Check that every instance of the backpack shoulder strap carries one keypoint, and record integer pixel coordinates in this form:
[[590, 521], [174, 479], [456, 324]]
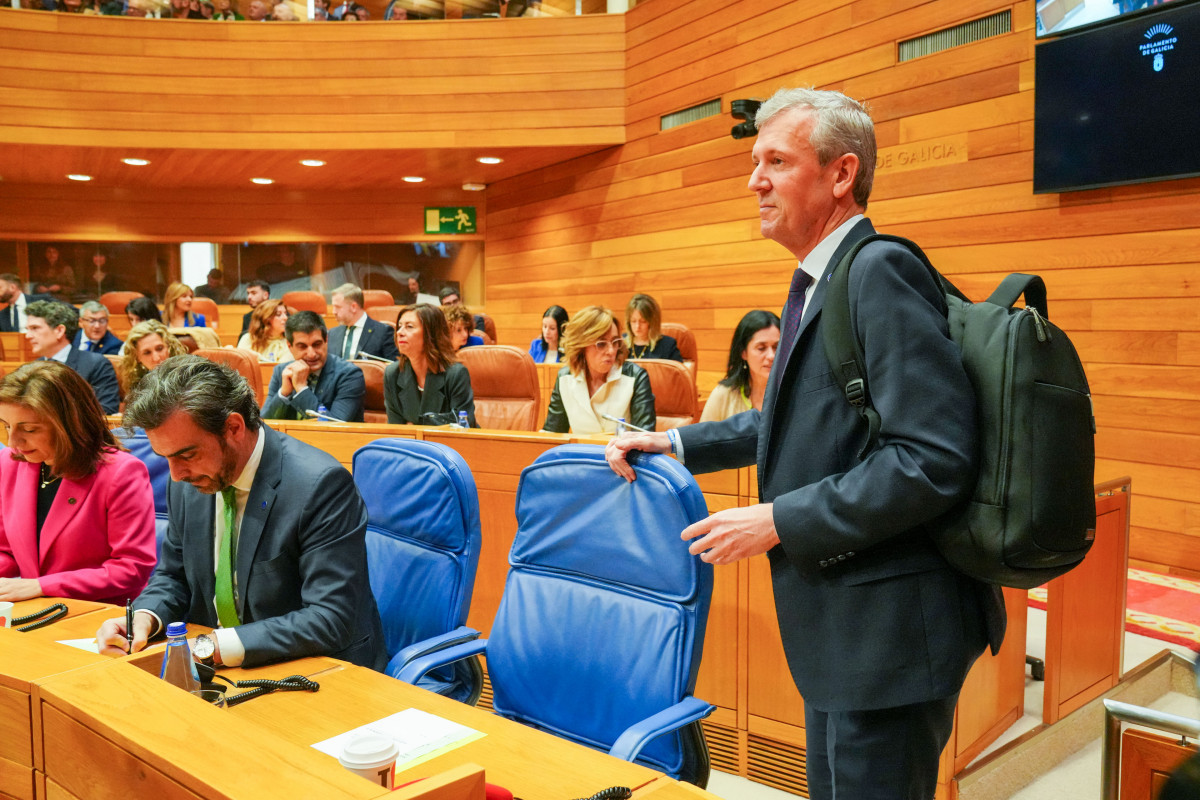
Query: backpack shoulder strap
[[841, 345]]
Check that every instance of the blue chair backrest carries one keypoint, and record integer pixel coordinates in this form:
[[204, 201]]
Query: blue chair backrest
[[604, 610], [423, 536], [160, 474]]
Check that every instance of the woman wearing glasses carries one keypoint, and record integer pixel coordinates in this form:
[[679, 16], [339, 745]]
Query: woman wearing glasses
[[427, 382], [598, 380]]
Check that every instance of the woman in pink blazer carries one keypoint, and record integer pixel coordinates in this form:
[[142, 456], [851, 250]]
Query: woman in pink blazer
[[76, 511]]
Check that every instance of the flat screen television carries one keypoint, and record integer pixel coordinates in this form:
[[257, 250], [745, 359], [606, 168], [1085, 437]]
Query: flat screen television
[[1059, 16], [1119, 103]]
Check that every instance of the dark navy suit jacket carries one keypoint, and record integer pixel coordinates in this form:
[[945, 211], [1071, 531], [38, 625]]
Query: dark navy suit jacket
[[378, 339], [341, 389], [8, 315], [301, 561], [98, 371], [109, 345], [870, 613]]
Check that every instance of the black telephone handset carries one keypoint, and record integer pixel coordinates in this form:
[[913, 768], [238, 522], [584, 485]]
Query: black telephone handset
[[43, 618], [612, 793]]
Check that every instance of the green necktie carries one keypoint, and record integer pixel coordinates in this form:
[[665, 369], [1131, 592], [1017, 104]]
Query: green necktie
[[226, 605], [346, 344]]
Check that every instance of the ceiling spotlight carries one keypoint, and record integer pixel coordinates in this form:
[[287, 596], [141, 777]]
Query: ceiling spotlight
[[80, 177], [413, 179], [135, 162], [474, 187], [489, 160], [312, 162], [261, 181]]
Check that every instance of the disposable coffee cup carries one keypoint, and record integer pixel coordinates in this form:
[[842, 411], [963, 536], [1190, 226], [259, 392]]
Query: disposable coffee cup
[[6, 614], [373, 757]]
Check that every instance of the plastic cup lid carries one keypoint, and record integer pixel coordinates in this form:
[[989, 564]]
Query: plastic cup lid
[[369, 750]]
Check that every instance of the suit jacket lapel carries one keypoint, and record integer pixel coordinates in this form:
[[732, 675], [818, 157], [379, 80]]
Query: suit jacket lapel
[[199, 543], [70, 498], [263, 492], [433, 398], [410, 395]]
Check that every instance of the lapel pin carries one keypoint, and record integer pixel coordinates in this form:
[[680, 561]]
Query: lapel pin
[[70, 501], [264, 504]]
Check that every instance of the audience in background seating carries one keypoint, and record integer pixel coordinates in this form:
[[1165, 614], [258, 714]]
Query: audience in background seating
[[266, 336], [214, 288], [751, 354], [177, 305], [226, 10], [256, 292], [94, 334], [258, 10], [357, 332], [148, 345], [547, 349], [598, 380], [427, 383], [78, 512], [55, 277], [643, 326], [13, 318], [282, 12], [50, 328], [140, 309], [460, 322]]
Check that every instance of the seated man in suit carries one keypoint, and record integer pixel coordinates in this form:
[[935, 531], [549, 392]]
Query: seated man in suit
[[316, 378], [256, 292], [358, 333], [13, 318], [94, 335], [266, 534], [50, 327]]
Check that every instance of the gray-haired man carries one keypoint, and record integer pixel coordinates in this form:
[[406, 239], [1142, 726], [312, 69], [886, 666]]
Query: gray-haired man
[[94, 335]]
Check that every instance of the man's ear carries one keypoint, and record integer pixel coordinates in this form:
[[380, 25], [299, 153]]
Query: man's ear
[[235, 425], [845, 171]]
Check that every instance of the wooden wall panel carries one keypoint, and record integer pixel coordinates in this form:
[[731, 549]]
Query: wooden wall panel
[[668, 213]]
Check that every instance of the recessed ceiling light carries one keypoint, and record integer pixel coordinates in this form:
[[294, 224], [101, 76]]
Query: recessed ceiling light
[[261, 181], [489, 160], [313, 162], [413, 179], [474, 187], [135, 162], [80, 177]]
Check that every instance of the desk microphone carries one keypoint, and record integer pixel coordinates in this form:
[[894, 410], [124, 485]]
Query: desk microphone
[[611, 418], [320, 416], [371, 357]]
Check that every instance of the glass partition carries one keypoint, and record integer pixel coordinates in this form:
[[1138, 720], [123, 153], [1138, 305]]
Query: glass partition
[[323, 10]]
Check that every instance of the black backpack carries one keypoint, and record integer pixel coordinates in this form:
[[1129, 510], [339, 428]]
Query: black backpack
[[1032, 515]]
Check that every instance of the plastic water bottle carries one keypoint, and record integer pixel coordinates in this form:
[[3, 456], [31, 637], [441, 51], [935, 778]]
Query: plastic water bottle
[[178, 668], [323, 411], [463, 422], [620, 427]]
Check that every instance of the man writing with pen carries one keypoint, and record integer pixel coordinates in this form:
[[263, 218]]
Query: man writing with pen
[[265, 540], [315, 378]]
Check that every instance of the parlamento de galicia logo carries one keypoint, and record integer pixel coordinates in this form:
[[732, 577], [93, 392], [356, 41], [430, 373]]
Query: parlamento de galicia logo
[[1157, 46]]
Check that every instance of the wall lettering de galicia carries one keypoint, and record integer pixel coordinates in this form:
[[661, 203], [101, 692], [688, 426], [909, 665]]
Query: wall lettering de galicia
[[919, 155]]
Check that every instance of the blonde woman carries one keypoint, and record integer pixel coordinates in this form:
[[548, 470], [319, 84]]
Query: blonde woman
[[597, 379], [177, 308], [148, 344], [643, 326], [267, 323]]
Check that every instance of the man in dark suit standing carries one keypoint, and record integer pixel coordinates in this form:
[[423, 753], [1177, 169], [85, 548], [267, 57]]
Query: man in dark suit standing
[[315, 378], [94, 335], [266, 534], [50, 327], [358, 333], [878, 629], [12, 319]]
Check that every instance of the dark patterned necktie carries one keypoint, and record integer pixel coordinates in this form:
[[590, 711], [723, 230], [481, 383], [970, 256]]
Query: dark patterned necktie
[[793, 310]]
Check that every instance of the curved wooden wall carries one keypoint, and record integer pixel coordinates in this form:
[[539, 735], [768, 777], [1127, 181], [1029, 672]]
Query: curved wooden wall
[[669, 214]]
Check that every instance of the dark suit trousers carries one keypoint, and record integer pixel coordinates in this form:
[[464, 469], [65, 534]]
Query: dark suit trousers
[[885, 754]]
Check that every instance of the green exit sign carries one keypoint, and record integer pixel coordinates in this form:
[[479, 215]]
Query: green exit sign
[[460, 219]]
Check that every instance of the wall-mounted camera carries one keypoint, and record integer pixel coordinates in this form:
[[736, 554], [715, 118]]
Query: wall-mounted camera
[[744, 110]]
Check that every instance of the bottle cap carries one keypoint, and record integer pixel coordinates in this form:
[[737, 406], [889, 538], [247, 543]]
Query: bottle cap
[[177, 629]]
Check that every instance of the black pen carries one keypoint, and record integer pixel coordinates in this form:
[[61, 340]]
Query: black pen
[[129, 624]]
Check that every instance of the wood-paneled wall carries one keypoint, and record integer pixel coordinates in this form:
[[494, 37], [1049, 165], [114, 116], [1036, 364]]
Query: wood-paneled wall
[[669, 213]]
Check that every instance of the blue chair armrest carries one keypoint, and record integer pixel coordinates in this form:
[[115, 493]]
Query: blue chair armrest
[[431, 645], [413, 670], [636, 736]]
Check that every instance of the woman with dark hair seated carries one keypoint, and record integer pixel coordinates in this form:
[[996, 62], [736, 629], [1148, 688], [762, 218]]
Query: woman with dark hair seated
[[140, 309], [751, 354], [148, 344], [427, 379], [78, 513], [643, 326], [547, 349], [597, 380]]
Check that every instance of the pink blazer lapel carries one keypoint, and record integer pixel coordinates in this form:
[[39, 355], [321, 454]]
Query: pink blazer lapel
[[67, 503]]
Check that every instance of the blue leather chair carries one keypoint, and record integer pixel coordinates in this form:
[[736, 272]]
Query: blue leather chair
[[423, 542], [160, 475], [600, 631]]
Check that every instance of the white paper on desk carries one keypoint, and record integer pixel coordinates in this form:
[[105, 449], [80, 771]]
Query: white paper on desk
[[83, 644], [417, 733]]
